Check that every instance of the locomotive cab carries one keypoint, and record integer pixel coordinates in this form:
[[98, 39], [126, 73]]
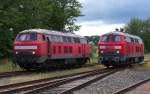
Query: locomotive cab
[[29, 49]]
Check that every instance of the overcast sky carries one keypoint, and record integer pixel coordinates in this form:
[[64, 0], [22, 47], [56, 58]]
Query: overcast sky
[[102, 16]]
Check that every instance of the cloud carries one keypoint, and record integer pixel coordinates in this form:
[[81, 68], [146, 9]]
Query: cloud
[[91, 23], [102, 16], [114, 11], [94, 28]]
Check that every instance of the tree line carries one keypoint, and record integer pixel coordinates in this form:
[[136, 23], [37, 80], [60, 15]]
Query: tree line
[[140, 28]]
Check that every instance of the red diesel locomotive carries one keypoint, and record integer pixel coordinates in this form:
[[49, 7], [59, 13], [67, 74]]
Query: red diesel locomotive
[[38, 48], [119, 48]]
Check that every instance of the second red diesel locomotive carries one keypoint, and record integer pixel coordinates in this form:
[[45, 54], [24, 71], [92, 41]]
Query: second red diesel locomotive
[[38, 48], [119, 48]]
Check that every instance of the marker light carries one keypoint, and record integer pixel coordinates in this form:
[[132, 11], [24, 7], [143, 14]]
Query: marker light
[[16, 52], [33, 52], [118, 52], [102, 51]]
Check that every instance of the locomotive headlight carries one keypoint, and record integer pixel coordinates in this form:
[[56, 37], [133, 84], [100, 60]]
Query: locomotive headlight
[[33, 52], [16, 52], [117, 47], [118, 52], [102, 47], [102, 51]]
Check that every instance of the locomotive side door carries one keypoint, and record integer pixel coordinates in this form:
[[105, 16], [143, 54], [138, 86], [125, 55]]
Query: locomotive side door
[[47, 38], [83, 46], [83, 50], [48, 46]]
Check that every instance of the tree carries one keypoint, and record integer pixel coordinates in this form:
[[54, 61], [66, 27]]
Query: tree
[[49, 14], [134, 26], [64, 15], [18, 15], [6, 40], [140, 28]]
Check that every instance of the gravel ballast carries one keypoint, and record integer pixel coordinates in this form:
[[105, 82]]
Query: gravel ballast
[[115, 81]]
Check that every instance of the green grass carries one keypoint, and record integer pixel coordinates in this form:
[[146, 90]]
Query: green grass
[[146, 65], [147, 58], [7, 66], [94, 58]]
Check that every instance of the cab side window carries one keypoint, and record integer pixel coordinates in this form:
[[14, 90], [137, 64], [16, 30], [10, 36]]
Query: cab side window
[[21, 37], [76, 40], [32, 36], [65, 39], [116, 38], [105, 38], [127, 39]]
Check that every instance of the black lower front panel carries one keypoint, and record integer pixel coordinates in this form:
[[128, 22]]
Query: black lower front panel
[[112, 59], [28, 60]]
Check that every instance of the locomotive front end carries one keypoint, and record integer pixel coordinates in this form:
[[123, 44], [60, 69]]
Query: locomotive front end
[[27, 50], [111, 50]]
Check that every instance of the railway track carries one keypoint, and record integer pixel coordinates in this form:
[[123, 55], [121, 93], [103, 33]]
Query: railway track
[[70, 87], [53, 84], [132, 87], [15, 73]]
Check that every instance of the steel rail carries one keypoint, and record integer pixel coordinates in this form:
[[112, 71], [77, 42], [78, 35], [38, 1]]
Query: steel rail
[[38, 83], [55, 85], [131, 87]]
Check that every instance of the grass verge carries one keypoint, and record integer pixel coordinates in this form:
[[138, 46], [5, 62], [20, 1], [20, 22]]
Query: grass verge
[[7, 66]]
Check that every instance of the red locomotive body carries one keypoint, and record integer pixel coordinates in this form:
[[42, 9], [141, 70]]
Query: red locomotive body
[[118, 48], [38, 48]]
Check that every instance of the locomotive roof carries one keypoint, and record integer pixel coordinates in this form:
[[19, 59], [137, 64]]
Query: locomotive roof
[[124, 34], [52, 32]]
